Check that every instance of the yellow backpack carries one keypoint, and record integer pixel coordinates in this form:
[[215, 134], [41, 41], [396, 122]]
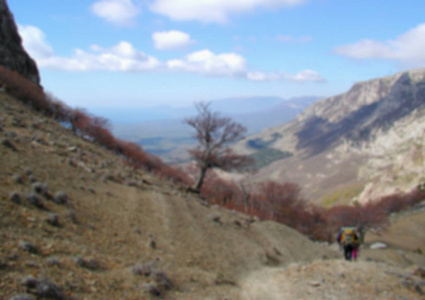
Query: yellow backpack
[[349, 236]]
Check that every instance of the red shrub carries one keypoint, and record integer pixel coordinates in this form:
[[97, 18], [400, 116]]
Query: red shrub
[[23, 89], [222, 192]]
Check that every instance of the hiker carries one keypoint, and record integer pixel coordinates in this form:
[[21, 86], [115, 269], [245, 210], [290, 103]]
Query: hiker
[[349, 240]]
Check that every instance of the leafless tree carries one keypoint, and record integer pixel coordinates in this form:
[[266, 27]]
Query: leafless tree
[[214, 134]]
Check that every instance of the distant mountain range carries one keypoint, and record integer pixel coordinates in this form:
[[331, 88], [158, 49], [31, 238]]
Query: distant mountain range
[[169, 138], [355, 146]]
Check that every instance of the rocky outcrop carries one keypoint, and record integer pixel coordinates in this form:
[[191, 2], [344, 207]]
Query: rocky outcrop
[[367, 108], [12, 54], [360, 145]]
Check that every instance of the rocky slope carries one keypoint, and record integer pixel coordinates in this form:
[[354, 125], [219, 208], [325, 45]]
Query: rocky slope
[[116, 223], [77, 223], [12, 54], [359, 145]]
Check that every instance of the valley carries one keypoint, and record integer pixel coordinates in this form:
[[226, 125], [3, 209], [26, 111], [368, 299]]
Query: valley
[[85, 214]]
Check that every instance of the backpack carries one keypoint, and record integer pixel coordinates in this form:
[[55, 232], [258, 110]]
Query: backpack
[[349, 236]]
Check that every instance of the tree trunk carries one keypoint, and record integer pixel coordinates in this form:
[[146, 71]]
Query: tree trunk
[[200, 180]]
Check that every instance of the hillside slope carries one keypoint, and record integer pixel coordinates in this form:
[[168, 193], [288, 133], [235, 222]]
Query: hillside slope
[[113, 215], [359, 145], [116, 224]]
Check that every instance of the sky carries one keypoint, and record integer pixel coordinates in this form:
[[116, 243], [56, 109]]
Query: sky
[[140, 53]]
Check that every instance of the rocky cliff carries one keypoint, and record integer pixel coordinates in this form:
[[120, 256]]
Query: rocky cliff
[[12, 54], [359, 145]]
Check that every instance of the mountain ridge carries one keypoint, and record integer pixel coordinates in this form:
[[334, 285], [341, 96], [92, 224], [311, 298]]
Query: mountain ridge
[[333, 140]]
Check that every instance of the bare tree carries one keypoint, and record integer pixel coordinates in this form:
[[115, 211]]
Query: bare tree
[[214, 134]]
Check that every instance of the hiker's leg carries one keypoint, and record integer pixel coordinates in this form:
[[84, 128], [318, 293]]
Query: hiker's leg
[[347, 253], [355, 252]]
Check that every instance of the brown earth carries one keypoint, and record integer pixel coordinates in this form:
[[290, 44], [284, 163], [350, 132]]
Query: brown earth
[[118, 220]]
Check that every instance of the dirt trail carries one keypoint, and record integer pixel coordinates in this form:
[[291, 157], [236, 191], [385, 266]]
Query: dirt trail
[[332, 279]]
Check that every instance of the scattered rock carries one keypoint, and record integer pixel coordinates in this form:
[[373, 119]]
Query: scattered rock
[[17, 178], [28, 246], [41, 188], [418, 289], [90, 264], [314, 283], [34, 200], [152, 289], [216, 218], [72, 215], [162, 280], [29, 282], [15, 197], [53, 219], [23, 297], [7, 143], [2, 265], [151, 241], [32, 264], [376, 246], [32, 178], [418, 271], [49, 290], [53, 261], [143, 269]]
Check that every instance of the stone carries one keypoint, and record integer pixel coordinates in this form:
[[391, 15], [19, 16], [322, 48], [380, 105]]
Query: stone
[[12, 54], [378, 245]]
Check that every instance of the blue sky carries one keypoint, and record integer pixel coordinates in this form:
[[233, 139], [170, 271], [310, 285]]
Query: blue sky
[[137, 53]]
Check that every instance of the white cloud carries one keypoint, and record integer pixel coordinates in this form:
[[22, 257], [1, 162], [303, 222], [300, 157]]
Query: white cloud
[[306, 75], [34, 40], [120, 12], [291, 39], [124, 57], [172, 39], [207, 63], [213, 10], [303, 76], [408, 48]]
